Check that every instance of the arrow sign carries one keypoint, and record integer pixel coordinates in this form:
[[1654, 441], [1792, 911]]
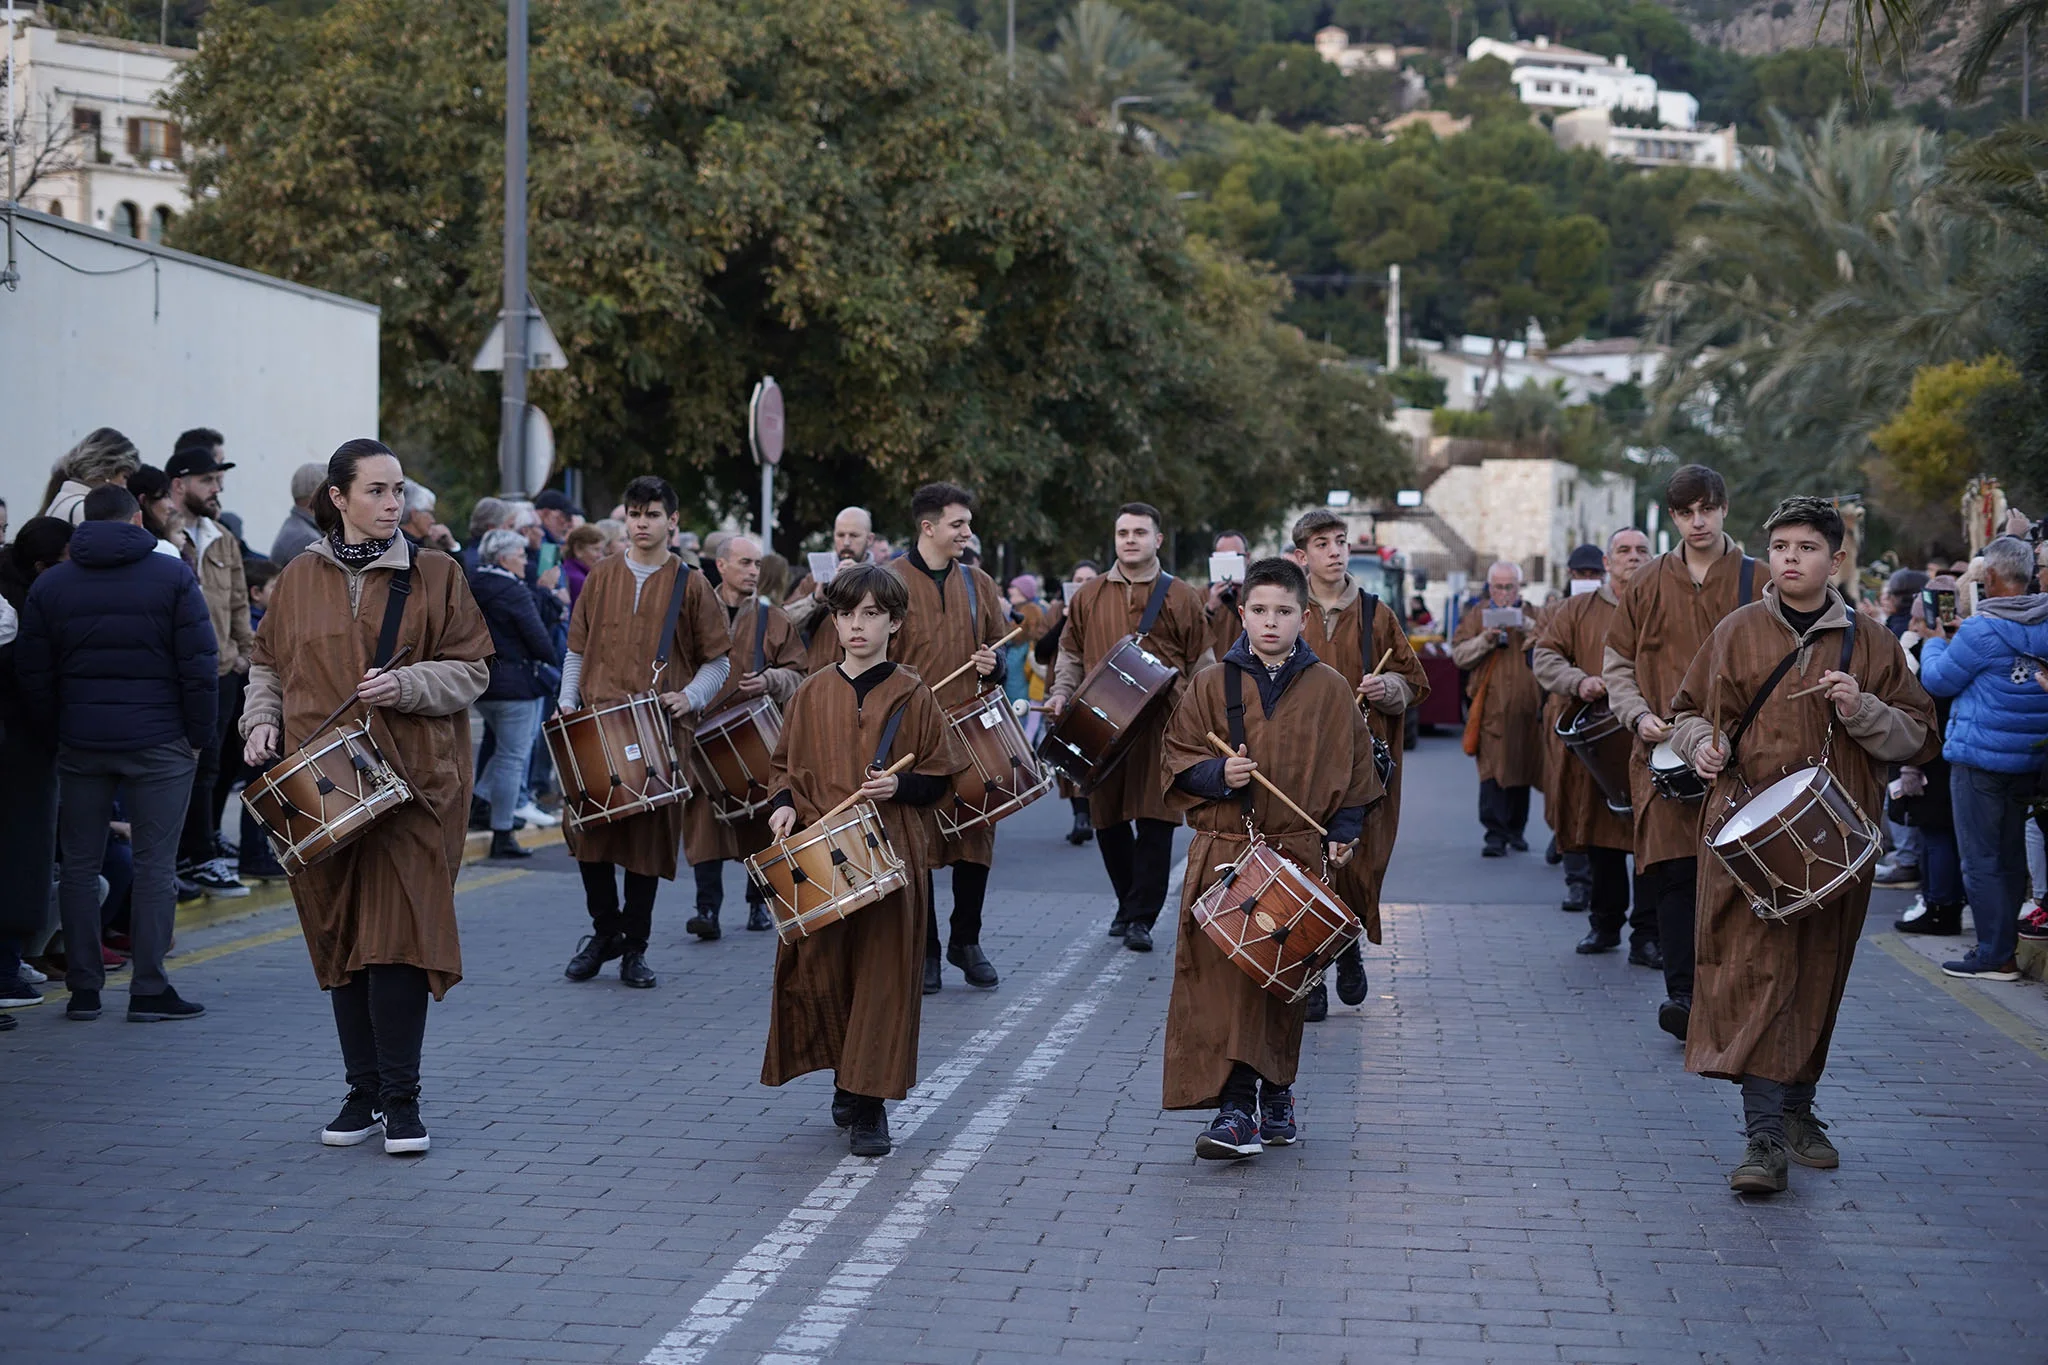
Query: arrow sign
[[543, 349]]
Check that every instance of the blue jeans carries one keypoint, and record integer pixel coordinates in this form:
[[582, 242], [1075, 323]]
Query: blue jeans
[[1991, 813], [1941, 867], [513, 726]]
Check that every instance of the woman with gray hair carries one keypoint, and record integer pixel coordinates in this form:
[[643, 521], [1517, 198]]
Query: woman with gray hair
[[104, 457], [524, 671]]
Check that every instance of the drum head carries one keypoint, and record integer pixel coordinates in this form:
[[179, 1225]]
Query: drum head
[[1771, 801], [1665, 758]]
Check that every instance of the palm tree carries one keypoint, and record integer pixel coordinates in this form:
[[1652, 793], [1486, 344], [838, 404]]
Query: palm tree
[[1105, 63]]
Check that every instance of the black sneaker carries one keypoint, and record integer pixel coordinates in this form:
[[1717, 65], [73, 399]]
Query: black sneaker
[[1674, 1016], [758, 917], [1138, 937], [1315, 1006], [357, 1122], [591, 954], [1233, 1136], [156, 1009], [8, 1022], [1117, 926], [188, 890], [217, 879], [1494, 849], [869, 1133], [19, 995], [404, 1134], [84, 1005], [1519, 844], [1944, 921], [973, 964], [505, 846], [704, 924], [1276, 1116], [845, 1107], [634, 971], [1351, 976], [1597, 942]]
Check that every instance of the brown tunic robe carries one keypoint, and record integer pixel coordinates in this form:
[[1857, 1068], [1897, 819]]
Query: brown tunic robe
[[706, 838], [1570, 648], [390, 896], [1766, 992], [1511, 712], [847, 998], [618, 642], [1224, 625], [1316, 748], [1333, 633], [1660, 621], [1105, 610]]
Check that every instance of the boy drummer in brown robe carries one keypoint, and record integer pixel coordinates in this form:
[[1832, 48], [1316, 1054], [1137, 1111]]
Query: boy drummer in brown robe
[[620, 625], [1767, 991], [1132, 818], [766, 660], [1570, 649], [1508, 709], [1335, 628], [379, 915], [1230, 1043], [1661, 619], [847, 997]]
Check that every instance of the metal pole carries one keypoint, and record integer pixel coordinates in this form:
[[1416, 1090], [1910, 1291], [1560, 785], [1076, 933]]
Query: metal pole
[[1393, 318], [767, 508], [1009, 47], [9, 276], [2026, 70], [512, 407]]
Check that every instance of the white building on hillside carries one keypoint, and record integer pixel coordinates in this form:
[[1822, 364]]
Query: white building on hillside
[[1533, 511], [96, 145], [1334, 46], [1469, 373], [1707, 149], [1549, 75]]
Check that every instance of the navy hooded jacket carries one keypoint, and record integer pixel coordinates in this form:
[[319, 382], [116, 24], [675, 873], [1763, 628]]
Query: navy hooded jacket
[[116, 649]]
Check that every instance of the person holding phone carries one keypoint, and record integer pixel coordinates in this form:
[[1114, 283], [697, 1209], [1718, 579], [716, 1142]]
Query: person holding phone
[[1227, 555], [1507, 704]]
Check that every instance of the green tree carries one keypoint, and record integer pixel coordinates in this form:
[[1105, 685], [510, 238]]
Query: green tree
[[1928, 450], [1105, 68]]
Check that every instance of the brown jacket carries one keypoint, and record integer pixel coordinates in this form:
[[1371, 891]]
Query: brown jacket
[[1333, 633], [1766, 992], [847, 998], [1570, 648], [1511, 711], [1660, 621], [390, 896], [1103, 612], [226, 589], [1316, 748], [706, 838], [618, 641]]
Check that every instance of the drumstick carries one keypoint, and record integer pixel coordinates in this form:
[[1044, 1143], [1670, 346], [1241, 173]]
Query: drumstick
[[1808, 691], [970, 663], [898, 766], [357, 695], [1222, 747], [1383, 662]]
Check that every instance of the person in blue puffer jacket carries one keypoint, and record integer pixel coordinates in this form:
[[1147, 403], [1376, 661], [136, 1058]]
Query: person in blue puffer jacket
[[1996, 740]]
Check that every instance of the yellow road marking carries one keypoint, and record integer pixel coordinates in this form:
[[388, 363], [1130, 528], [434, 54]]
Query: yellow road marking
[[2013, 1025]]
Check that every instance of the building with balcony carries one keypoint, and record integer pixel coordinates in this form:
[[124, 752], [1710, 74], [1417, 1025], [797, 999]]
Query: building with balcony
[[1550, 75], [1706, 149]]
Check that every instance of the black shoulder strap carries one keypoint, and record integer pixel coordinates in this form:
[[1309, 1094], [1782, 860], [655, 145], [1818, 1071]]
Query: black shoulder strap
[[1155, 602], [1746, 593], [1756, 703], [394, 610], [1848, 636], [1368, 617], [675, 612], [889, 729], [760, 636], [967, 586], [1233, 716]]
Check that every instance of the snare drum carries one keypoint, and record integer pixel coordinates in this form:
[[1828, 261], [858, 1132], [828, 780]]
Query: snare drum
[[326, 796], [824, 872], [733, 750], [1673, 777], [616, 760], [1120, 694], [1004, 777], [1601, 742], [1795, 843], [1275, 921]]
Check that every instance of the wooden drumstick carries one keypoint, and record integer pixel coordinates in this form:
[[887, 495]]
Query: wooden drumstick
[[970, 663], [357, 695], [898, 766], [1223, 747], [1383, 662]]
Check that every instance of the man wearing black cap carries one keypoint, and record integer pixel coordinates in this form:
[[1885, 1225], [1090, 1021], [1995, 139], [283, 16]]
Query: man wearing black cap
[[557, 514], [196, 469]]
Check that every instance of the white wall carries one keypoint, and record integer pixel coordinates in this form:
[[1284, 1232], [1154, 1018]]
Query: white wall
[[286, 373]]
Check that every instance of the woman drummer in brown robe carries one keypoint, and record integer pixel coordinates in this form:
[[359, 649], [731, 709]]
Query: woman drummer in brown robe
[[1230, 1043], [847, 998], [378, 916], [1766, 992]]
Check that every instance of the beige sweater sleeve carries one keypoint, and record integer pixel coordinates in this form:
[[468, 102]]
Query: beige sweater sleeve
[[1469, 653], [1624, 698], [1398, 698], [1884, 731], [441, 687], [263, 701], [1555, 673]]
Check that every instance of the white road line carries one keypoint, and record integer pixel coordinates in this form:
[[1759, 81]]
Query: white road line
[[754, 1274], [818, 1328]]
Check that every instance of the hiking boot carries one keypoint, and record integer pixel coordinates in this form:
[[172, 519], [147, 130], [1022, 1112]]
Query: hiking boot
[[845, 1107], [358, 1120], [869, 1135], [1351, 976], [704, 924], [1598, 942], [1943, 920], [1138, 937], [634, 971], [1763, 1168], [1315, 1006], [404, 1134], [973, 964], [503, 845], [1806, 1139], [1276, 1116], [156, 1009], [1674, 1016], [1232, 1136], [934, 982], [592, 954]]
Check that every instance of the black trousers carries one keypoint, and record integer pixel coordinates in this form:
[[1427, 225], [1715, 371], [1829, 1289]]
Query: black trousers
[[1610, 905], [970, 890], [635, 923], [381, 1018], [711, 886], [1672, 887], [1578, 877], [202, 814], [1138, 855], [1503, 810]]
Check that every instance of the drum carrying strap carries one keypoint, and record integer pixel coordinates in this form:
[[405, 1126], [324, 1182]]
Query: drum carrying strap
[[1756, 703], [394, 611], [1368, 616], [760, 636], [889, 729], [1155, 602], [675, 614], [1233, 716], [1746, 590]]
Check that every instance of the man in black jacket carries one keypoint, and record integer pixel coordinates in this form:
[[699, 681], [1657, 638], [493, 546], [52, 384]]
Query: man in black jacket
[[117, 660]]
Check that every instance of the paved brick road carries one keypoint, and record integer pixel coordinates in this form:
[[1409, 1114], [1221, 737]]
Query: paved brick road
[[1502, 1161]]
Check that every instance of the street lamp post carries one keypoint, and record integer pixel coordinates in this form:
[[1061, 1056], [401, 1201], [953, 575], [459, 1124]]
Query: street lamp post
[[1120, 101], [512, 406]]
